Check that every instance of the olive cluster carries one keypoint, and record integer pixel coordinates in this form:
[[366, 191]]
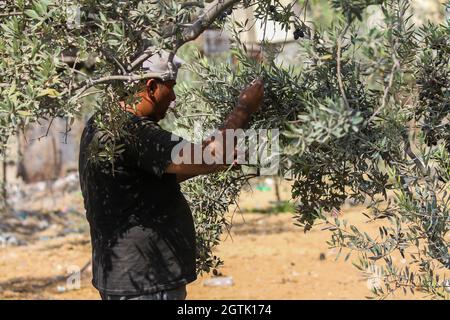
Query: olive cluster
[[298, 33], [224, 14]]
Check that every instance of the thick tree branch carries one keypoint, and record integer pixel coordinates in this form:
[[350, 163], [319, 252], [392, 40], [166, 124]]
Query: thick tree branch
[[191, 32], [205, 20]]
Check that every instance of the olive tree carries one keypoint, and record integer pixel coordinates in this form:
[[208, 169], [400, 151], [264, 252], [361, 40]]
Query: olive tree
[[364, 114]]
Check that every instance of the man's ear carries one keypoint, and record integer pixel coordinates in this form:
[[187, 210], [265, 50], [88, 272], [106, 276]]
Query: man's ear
[[152, 85]]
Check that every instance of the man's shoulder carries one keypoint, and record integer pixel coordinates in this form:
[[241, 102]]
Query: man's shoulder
[[144, 127], [143, 122]]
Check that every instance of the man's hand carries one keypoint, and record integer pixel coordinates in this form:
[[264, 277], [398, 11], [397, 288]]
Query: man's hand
[[252, 96]]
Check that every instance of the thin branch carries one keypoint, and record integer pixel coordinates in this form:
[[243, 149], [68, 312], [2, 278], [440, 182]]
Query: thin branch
[[89, 93], [338, 60], [68, 129], [80, 73], [81, 88], [5, 181], [407, 148], [305, 7], [387, 89], [73, 71], [261, 51], [200, 115], [109, 55], [10, 14], [46, 133]]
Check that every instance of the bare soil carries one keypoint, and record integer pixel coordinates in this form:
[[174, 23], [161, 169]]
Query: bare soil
[[265, 254]]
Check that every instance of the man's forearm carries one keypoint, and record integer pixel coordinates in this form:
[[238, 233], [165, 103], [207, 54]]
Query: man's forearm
[[217, 147], [238, 118]]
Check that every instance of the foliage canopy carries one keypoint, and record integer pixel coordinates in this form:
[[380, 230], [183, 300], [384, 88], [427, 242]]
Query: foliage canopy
[[364, 115]]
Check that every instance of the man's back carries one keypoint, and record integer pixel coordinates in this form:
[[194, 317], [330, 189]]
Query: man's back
[[141, 226]]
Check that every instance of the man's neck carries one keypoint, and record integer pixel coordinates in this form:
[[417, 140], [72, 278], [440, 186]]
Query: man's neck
[[132, 109], [135, 110]]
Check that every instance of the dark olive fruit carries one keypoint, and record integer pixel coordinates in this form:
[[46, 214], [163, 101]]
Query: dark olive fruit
[[298, 34], [431, 138], [229, 11], [222, 16], [272, 8]]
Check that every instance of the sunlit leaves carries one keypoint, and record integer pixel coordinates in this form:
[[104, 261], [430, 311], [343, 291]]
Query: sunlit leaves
[[367, 151]]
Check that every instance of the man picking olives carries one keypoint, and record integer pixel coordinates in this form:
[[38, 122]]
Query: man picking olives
[[142, 229]]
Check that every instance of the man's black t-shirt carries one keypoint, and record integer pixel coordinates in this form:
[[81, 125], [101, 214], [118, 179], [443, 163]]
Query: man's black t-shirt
[[142, 230]]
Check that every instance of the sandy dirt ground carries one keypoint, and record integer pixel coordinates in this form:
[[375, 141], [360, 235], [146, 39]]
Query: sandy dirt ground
[[266, 256]]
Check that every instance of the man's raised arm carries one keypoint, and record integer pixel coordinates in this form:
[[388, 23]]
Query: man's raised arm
[[249, 102]]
